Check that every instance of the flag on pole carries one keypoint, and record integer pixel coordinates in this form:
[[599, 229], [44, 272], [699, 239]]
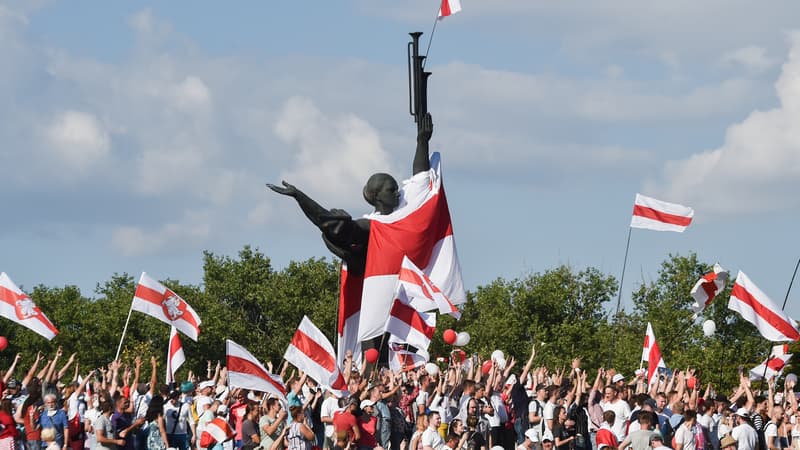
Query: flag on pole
[[708, 287], [755, 307], [652, 354], [773, 366], [652, 214], [421, 292], [420, 229], [216, 431], [401, 359], [312, 352], [408, 325], [156, 300], [244, 371], [350, 287], [175, 356], [449, 7], [18, 307]]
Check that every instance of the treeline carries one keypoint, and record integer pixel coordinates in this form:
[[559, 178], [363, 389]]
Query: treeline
[[246, 299]]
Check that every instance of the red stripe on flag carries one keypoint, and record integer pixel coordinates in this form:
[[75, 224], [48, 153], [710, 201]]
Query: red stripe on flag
[[11, 297], [764, 313], [775, 364], [445, 9], [313, 350], [710, 289], [152, 296], [174, 345], [410, 316], [412, 277], [349, 297], [242, 365], [650, 213], [149, 295]]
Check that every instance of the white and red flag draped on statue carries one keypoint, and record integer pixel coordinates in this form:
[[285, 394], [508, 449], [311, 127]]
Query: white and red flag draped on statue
[[18, 307], [652, 354], [449, 7], [408, 325], [216, 431], [156, 300], [175, 356], [774, 364], [652, 214], [402, 359], [708, 287], [420, 228], [755, 307], [244, 371], [421, 292], [311, 352]]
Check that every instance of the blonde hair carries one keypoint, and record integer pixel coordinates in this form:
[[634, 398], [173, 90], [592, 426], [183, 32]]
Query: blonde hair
[[49, 434]]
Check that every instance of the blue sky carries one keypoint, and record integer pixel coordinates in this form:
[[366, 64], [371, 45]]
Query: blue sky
[[136, 136]]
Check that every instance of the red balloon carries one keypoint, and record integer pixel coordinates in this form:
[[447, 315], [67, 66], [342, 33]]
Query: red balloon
[[486, 367], [449, 336], [371, 355], [3, 343]]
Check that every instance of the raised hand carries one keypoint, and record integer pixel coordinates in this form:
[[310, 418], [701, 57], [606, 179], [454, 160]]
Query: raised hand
[[287, 189], [425, 129]]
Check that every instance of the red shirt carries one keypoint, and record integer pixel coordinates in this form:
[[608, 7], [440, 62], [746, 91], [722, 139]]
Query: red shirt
[[9, 426], [345, 421], [367, 425], [606, 438], [237, 415], [32, 431]]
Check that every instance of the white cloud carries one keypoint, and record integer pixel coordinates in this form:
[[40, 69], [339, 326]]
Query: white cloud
[[193, 229], [78, 139], [757, 166], [752, 57]]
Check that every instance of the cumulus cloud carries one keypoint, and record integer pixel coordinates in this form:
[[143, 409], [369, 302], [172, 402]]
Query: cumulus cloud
[[752, 57], [77, 139], [758, 165], [136, 241]]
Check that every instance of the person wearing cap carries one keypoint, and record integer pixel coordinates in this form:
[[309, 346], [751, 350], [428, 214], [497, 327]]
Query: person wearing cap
[[367, 425], [345, 419], [547, 441], [536, 409], [657, 442], [744, 433], [531, 439]]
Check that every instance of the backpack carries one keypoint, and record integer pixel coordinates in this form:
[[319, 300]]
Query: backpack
[[668, 432]]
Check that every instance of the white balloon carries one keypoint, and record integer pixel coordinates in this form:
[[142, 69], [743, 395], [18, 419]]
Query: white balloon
[[462, 339], [709, 328], [501, 364], [497, 355], [432, 369]]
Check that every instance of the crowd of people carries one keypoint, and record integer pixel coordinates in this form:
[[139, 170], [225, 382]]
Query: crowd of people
[[464, 406]]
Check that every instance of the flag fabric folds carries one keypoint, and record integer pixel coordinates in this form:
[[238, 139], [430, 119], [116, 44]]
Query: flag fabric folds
[[244, 371], [18, 307], [421, 229], [156, 300], [708, 287], [652, 214], [773, 366], [311, 352], [350, 286], [755, 307], [408, 325], [421, 292], [449, 7], [402, 359], [217, 431], [652, 354], [175, 356]]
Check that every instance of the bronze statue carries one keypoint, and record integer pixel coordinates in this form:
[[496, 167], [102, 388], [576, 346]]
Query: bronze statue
[[346, 237]]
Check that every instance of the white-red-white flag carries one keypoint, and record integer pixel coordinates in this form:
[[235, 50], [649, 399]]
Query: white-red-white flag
[[652, 354], [156, 300], [449, 7], [774, 364], [216, 431], [175, 356], [708, 287], [755, 307], [421, 229], [244, 371], [312, 352], [652, 214], [350, 287], [421, 292], [408, 325], [18, 307], [401, 359]]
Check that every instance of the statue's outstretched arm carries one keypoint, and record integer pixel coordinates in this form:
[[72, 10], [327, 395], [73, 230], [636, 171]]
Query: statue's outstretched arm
[[313, 210], [422, 160]]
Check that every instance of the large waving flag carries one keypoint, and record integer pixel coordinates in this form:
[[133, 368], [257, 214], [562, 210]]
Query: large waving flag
[[652, 214], [311, 352], [755, 307], [421, 292], [773, 366], [652, 354], [244, 371], [449, 7], [16, 306], [402, 359], [156, 300], [419, 228], [217, 431], [175, 356], [350, 287], [708, 287], [408, 325]]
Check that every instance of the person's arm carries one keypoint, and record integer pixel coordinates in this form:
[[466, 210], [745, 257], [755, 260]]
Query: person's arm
[[65, 431], [422, 160], [626, 443], [271, 428], [66, 367], [10, 371], [307, 432], [559, 442], [51, 369], [32, 370], [137, 368], [134, 425], [279, 443], [101, 437], [162, 428], [153, 375], [525, 370]]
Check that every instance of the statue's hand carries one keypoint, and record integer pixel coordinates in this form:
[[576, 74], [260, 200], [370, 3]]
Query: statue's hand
[[287, 189], [425, 129]]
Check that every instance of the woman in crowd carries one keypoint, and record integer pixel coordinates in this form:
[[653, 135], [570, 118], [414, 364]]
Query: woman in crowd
[[299, 436], [156, 429]]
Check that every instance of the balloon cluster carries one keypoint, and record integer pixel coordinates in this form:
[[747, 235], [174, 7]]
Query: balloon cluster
[[497, 357], [458, 339]]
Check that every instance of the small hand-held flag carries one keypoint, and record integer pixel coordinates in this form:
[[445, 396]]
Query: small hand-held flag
[[652, 354], [449, 7]]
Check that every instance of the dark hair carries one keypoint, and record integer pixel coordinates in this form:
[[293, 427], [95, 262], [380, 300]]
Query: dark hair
[[155, 408], [296, 412], [609, 416], [373, 185]]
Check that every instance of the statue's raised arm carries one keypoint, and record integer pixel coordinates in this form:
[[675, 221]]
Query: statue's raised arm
[[422, 159]]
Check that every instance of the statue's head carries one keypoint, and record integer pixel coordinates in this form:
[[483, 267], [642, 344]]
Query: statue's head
[[381, 191]]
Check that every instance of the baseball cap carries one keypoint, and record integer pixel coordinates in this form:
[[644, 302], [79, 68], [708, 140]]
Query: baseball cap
[[548, 436], [743, 412], [617, 377], [532, 435], [12, 384], [366, 402], [206, 384], [187, 386]]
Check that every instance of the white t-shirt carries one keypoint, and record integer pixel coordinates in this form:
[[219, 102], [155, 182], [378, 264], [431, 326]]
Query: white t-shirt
[[685, 436], [499, 407], [622, 413], [547, 414], [91, 415], [140, 403], [746, 436], [431, 438], [771, 433], [328, 408], [422, 400]]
